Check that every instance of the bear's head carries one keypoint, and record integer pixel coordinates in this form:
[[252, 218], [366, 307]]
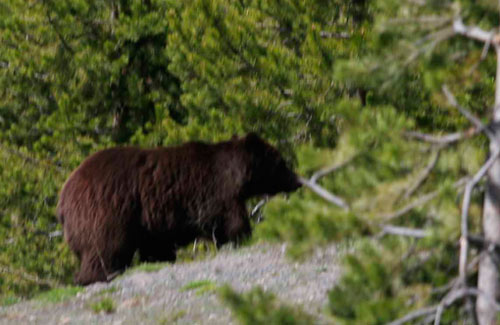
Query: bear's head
[[269, 173]]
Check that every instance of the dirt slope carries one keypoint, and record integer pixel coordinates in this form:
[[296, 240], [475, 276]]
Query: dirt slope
[[164, 297]]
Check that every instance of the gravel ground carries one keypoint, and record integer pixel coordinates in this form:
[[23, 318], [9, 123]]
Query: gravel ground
[[160, 297]]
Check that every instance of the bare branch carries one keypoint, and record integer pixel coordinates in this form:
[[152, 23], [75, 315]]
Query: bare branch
[[324, 193], [473, 32], [481, 242], [325, 171], [443, 139], [342, 35], [416, 314], [257, 207], [423, 175], [465, 211], [403, 231], [436, 38], [420, 201]]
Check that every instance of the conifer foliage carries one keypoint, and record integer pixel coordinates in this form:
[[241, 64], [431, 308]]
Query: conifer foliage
[[370, 100]]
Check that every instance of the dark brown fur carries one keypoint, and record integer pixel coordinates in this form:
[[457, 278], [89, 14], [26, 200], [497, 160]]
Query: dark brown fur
[[125, 199]]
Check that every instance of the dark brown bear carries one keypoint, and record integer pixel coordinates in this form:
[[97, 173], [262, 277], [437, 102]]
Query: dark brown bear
[[121, 200]]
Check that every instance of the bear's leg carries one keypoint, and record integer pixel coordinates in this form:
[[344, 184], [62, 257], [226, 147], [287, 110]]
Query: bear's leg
[[103, 266], [91, 270], [235, 227], [156, 250]]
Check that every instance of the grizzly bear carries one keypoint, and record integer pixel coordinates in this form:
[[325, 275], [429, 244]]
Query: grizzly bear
[[125, 199]]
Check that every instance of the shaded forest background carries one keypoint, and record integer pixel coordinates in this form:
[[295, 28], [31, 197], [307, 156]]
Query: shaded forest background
[[350, 86]]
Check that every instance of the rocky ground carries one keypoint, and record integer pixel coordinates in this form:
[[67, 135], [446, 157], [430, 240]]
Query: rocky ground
[[183, 293]]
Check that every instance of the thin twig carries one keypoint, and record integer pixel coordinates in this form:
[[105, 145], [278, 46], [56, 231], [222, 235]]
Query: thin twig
[[473, 32], [403, 231], [416, 314], [465, 212], [256, 209], [442, 139], [32, 160], [420, 201], [474, 120], [423, 176], [341, 35], [325, 171]]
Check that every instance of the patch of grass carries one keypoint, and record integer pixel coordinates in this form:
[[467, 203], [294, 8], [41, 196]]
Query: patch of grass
[[170, 319], [58, 294], [201, 287], [9, 300], [106, 305], [109, 290], [199, 250], [149, 267]]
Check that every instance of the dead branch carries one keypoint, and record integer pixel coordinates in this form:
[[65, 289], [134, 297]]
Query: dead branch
[[447, 301], [482, 243], [325, 171], [403, 231], [473, 32], [423, 175], [324, 193], [413, 315], [436, 38], [465, 212], [341, 35], [256, 209], [443, 139], [419, 201]]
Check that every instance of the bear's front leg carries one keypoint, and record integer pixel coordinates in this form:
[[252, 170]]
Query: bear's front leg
[[235, 225]]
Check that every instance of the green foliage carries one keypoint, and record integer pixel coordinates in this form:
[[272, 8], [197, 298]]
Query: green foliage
[[9, 300], [105, 305], [327, 82], [58, 294], [199, 250], [147, 267], [259, 307], [171, 319], [201, 287]]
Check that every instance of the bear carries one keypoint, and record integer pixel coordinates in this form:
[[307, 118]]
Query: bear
[[126, 199]]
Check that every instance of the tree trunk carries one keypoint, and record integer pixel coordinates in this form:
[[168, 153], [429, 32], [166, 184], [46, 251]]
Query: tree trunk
[[488, 272]]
